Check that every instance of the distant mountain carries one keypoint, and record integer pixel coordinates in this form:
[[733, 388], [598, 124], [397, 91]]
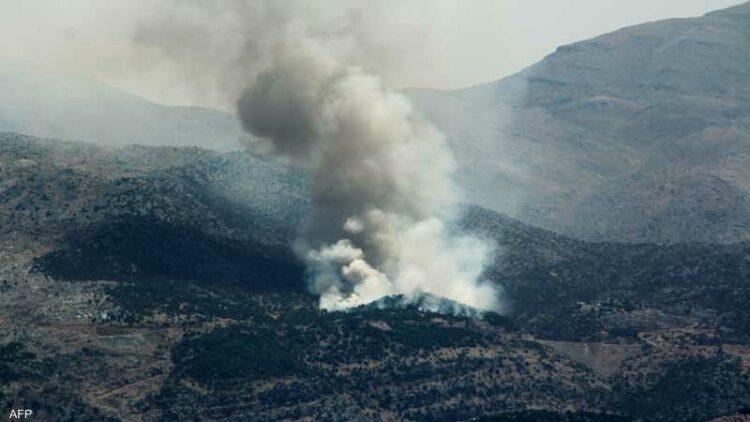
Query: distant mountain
[[642, 134], [46, 104]]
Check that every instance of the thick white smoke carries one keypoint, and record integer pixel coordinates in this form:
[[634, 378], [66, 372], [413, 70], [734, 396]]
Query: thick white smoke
[[382, 185]]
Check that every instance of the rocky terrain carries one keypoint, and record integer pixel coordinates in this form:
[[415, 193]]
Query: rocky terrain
[[159, 284]]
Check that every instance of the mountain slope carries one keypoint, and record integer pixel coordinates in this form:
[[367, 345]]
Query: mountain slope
[[634, 135]]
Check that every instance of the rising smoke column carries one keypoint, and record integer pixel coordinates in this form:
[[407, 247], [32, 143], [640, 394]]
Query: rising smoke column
[[382, 189]]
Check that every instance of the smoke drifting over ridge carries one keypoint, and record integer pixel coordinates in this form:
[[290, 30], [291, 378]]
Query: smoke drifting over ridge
[[382, 189]]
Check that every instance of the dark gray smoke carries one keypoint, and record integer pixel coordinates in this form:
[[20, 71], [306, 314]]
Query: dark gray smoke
[[382, 177]]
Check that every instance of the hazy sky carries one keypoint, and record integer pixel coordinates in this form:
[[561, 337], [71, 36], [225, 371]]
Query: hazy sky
[[455, 43]]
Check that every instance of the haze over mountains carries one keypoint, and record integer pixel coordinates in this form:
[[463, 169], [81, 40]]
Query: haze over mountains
[[639, 135], [43, 103]]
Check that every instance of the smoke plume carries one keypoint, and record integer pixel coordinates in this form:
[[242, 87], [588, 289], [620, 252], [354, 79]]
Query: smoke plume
[[382, 189]]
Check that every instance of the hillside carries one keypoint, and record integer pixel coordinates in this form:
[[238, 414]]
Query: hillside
[[159, 284], [642, 134]]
